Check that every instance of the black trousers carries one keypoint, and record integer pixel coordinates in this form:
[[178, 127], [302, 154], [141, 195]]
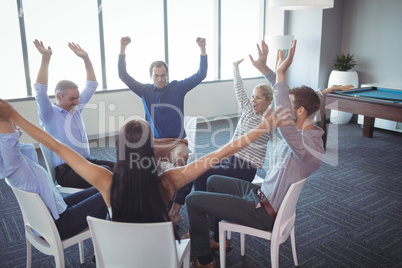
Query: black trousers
[[67, 177]]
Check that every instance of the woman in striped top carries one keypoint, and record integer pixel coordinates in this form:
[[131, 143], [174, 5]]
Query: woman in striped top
[[243, 165]]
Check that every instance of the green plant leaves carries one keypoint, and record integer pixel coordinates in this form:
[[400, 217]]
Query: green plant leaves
[[344, 62]]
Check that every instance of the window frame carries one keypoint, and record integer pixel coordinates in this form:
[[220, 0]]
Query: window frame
[[216, 45]]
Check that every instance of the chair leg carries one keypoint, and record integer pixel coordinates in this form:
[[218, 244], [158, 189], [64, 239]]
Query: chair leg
[[242, 244], [274, 255], [29, 254], [81, 250], [186, 261], [58, 255], [222, 247], [59, 260], [293, 242]]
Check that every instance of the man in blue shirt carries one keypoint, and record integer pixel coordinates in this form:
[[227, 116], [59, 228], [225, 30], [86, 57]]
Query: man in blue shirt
[[19, 164], [63, 119], [164, 110]]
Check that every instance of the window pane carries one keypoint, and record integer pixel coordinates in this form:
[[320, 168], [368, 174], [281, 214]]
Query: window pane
[[12, 77], [187, 20], [241, 31], [143, 22], [57, 23]]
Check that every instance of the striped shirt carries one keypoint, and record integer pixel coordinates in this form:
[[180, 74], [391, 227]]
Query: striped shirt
[[256, 151]]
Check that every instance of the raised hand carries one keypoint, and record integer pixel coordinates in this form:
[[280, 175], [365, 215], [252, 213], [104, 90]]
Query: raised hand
[[6, 110], [125, 40], [261, 62], [277, 119], [237, 63], [283, 64], [78, 50], [201, 41], [41, 48]]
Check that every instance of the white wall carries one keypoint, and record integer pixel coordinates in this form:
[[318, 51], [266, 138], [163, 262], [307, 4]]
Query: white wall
[[331, 40], [372, 30], [107, 111], [369, 29], [319, 38], [306, 26]]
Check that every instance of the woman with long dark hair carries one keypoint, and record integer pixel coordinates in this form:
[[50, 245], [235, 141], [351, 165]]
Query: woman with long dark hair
[[134, 192]]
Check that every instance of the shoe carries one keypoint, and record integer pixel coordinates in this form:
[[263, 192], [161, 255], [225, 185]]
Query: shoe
[[174, 214], [197, 264], [215, 245]]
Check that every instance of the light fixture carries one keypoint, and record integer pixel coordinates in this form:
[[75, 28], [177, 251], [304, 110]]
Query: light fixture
[[301, 4]]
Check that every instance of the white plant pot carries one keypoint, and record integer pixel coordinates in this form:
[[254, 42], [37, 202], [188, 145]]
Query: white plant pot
[[342, 78]]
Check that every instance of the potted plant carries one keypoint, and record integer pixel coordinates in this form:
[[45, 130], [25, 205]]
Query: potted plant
[[343, 75], [344, 62]]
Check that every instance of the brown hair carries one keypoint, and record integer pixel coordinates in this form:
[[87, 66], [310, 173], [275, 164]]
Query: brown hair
[[158, 63], [305, 96]]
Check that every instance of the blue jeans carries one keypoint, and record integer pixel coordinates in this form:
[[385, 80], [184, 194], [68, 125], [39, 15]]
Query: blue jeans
[[73, 220]]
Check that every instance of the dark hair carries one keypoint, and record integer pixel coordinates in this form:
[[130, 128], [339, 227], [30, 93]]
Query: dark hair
[[305, 96], [134, 194], [158, 63], [63, 85]]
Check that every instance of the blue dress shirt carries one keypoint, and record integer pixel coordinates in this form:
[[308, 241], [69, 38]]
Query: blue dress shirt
[[164, 108], [19, 164], [67, 127]]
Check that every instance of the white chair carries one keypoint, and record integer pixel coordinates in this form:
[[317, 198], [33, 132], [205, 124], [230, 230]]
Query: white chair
[[37, 219], [283, 227], [122, 244], [190, 126], [257, 180], [47, 156]]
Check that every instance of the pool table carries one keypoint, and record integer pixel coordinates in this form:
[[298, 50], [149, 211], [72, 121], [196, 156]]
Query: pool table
[[372, 102]]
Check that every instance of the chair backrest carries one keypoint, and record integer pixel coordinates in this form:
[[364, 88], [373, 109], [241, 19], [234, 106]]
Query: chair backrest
[[47, 156], [37, 217], [121, 244], [190, 126], [286, 214]]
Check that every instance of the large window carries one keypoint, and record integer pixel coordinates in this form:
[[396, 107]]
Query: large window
[[57, 23], [142, 21], [12, 77], [242, 29], [159, 30], [187, 20]]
